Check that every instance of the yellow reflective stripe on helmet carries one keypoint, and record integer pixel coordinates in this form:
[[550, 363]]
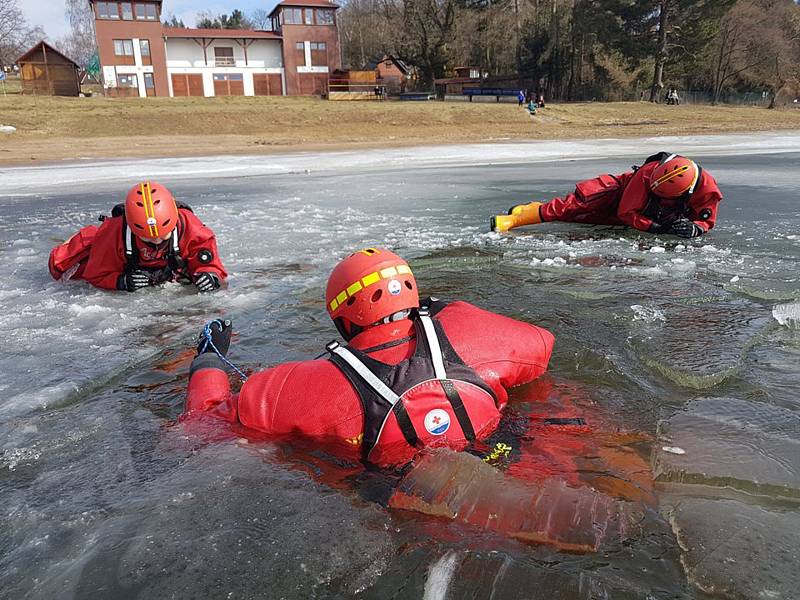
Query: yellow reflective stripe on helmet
[[149, 208], [370, 279], [366, 281], [670, 175]]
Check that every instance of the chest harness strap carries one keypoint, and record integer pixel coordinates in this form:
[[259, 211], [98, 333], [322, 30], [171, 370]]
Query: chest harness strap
[[380, 388]]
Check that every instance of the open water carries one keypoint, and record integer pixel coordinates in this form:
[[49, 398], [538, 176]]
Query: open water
[[680, 356]]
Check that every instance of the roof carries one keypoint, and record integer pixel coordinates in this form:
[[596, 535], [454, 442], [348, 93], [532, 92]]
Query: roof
[[300, 3], [392, 59], [185, 32], [49, 49]]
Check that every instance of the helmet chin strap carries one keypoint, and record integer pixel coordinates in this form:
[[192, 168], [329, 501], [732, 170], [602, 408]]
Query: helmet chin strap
[[398, 316]]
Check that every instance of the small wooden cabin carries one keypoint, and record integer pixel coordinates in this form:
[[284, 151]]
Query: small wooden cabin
[[47, 72]]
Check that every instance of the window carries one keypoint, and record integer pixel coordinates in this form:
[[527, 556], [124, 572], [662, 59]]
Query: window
[[228, 77], [223, 56], [146, 12], [127, 11], [300, 54], [127, 81], [319, 54], [144, 50], [148, 81], [293, 16], [107, 10], [123, 47], [324, 16], [309, 16]]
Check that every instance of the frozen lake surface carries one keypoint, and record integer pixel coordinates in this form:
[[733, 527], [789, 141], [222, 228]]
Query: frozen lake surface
[[682, 356]]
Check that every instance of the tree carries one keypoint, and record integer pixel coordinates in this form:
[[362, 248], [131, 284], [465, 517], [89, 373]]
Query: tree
[[16, 35], [364, 32], [236, 20], [421, 33], [757, 45], [79, 44], [260, 20], [173, 21]]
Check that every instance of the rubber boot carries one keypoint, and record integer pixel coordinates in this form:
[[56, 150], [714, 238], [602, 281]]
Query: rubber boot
[[519, 215]]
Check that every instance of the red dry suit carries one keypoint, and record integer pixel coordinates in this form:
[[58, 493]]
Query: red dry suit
[[626, 199], [447, 389], [100, 255]]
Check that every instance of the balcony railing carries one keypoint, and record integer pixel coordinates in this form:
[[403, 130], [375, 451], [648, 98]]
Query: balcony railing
[[224, 61]]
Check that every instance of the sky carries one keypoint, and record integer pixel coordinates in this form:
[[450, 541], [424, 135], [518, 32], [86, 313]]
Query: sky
[[49, 14]]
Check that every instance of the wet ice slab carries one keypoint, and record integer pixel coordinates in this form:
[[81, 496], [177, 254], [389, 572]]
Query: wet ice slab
[[731, 470], [713, 534], [462, 487], [697, 344], [753, 447]]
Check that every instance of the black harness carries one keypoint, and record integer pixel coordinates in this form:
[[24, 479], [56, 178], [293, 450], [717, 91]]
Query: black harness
[[380, 387]]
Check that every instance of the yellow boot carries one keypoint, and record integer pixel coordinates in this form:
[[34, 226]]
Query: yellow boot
[[519, 215]]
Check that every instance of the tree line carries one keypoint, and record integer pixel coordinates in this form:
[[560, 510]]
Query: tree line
[[586, 49], [565, 49]]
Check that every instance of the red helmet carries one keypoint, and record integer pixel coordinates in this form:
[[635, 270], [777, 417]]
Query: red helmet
[[368, 286], [150, 210], [674, 177]]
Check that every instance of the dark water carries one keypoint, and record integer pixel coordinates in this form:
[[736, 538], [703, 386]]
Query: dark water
[[661, 343]]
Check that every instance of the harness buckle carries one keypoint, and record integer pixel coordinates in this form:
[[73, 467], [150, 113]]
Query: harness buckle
[[331, 346], [424, 311]]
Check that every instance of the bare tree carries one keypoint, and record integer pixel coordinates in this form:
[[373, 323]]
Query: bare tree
[[260, 20], [15, 33], [422, 33], [80, 43]]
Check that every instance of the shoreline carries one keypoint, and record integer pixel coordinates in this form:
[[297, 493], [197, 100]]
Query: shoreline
[[110, 173], [54, 131]]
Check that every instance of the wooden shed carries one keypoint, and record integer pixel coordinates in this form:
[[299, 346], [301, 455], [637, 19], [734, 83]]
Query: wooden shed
[[45, 71]]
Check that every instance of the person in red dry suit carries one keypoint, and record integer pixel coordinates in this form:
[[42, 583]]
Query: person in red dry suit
[[410, 374], [668, 194], [149, 240]]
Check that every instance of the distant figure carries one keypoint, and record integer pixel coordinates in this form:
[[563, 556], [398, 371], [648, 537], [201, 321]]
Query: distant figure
[[668, 194], [672, 97], [521, 98], [532, 107], [541, 100]]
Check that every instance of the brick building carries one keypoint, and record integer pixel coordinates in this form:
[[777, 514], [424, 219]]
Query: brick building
[[141, 57]]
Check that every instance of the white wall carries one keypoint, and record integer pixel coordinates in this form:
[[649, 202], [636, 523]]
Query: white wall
[[186, 56], [263, 54]]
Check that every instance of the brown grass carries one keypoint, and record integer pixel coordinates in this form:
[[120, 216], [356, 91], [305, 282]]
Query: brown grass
[[69, 128]]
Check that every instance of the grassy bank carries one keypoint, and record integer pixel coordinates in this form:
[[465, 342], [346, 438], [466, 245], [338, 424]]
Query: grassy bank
[[69, 128]]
